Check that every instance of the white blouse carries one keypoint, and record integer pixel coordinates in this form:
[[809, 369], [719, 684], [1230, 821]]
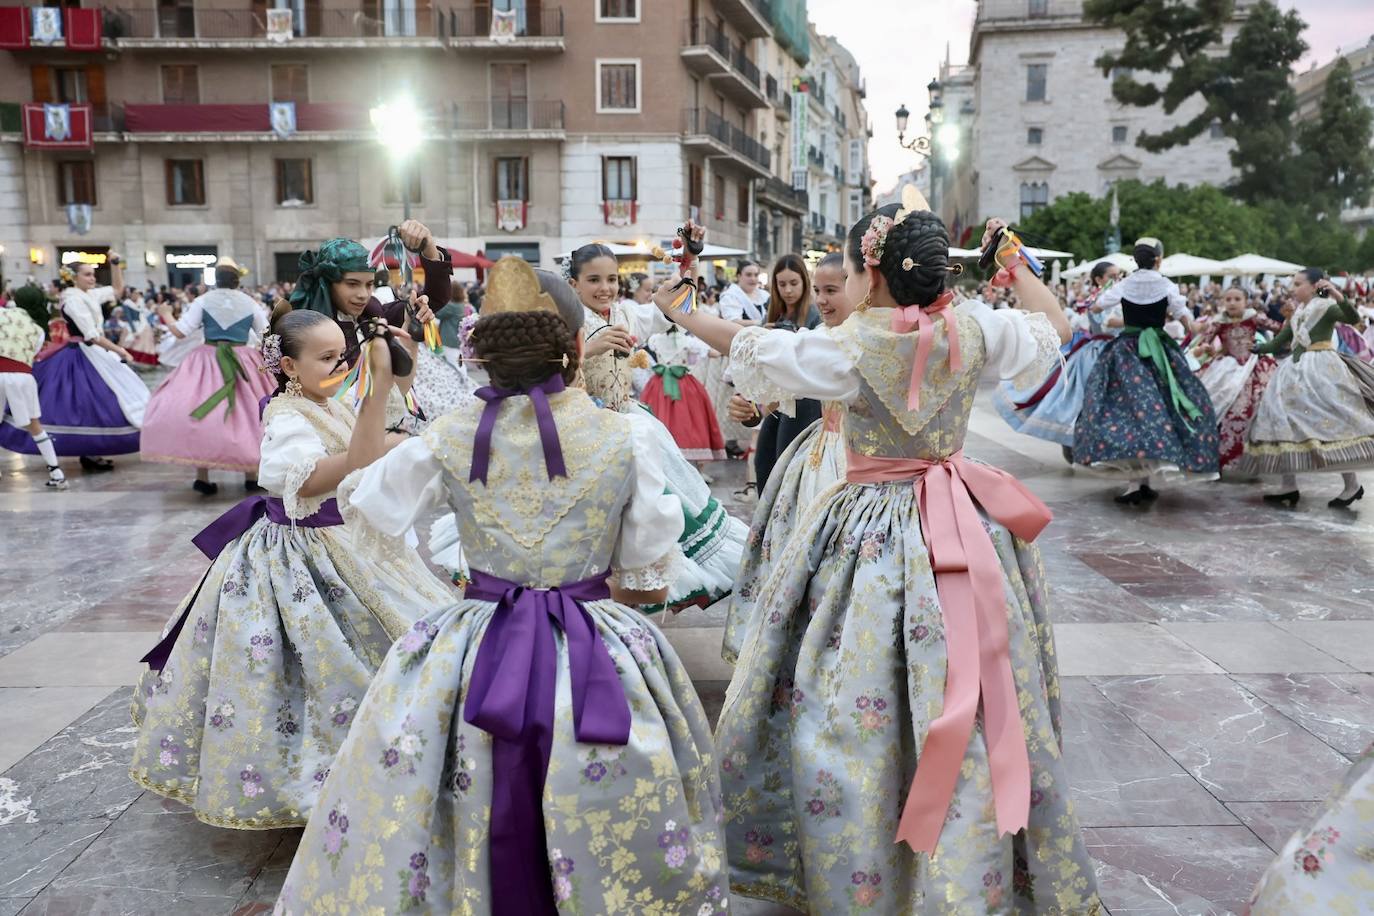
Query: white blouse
[[394, 492], [291, 448], [737, 305], [226, 306], [811, 363], [1148, 285], [83, 308]]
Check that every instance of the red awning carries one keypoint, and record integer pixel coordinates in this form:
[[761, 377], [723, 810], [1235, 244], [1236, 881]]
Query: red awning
[[479, 260], [252, 118]]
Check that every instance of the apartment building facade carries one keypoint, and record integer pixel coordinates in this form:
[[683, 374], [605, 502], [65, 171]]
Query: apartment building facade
[[245, 127], [1310, 86], [838, 180]]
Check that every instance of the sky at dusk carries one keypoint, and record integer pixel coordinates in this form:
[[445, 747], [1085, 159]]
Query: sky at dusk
[[900, 43]]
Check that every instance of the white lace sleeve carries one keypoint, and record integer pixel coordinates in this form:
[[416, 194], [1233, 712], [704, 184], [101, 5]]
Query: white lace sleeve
[[290, 451], [1022, 347], [391, 494], [777, 365], [647, 553]]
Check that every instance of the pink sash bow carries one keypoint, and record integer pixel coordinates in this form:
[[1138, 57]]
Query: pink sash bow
[[968, 579], [921, 319]]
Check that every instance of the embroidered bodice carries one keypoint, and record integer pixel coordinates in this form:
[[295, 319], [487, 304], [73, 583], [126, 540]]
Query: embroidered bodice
[[81, 309], [1238, 337], [297, 433], [228, 315], [867, 366], [605, 376], [1313, 323]]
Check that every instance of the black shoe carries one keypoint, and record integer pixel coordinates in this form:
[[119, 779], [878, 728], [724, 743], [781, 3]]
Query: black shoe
[[96, 464], [1279, 499], [1133, 498], [1339, 503], [1068, 453], [733, 450], [744, 491], [205, 487], [252, 486], [1148, 493]]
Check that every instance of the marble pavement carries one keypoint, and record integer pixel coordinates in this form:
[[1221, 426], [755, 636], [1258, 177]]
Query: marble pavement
[[1218, 662]]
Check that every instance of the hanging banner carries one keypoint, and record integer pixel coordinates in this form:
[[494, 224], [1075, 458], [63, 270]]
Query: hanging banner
[[510, 215], [85, 28], [56, 126], [620, 212], [799, 119], [280, 26], [503, 24], [79, 218], [283, 118], [57, 122], [46, 28]]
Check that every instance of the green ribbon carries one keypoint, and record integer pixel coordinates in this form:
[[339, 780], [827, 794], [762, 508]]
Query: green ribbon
[[1152, 346], [670, 376], [232, 371]]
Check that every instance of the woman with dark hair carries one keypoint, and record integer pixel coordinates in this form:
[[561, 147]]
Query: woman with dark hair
[[523, 747], [91, 402], [260, 671], [1049, 410], [1317, 413], [908, 598], [1145, 414], [789, 308]]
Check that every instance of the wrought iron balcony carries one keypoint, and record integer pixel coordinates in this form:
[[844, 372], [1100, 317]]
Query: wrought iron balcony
[[700, 124]]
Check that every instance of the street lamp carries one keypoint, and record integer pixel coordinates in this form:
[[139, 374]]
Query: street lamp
[[919, 145], [395, 123]]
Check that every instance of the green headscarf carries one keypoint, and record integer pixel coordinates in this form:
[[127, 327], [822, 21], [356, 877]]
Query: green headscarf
[[318, 269]]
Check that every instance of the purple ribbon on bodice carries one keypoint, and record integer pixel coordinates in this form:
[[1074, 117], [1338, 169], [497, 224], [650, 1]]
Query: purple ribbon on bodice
[[548, 430], [220, 534], [511, 697]]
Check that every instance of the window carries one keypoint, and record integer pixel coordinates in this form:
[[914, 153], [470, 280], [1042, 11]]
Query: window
[[391, 189], [511, 178], [71, 85], [527, 250], [295, 183], [185, 182], [1035, 135], [1119, 133], [742, 203], [617, 86], [695, 186], [180, 84], [1036, 77], [1039, 8], [76, 182], [617, 10], [1034, 196], [289, 83], [510, 97], [1216, 132], [856, 159], [618, 178], [718, 187], [856, 206], [176, 19], [286, 266]]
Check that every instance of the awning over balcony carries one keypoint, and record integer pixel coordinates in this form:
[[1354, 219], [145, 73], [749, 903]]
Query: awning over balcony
[[250, 118]]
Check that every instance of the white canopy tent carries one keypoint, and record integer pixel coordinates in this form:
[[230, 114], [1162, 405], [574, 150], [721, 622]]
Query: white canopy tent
[[1251, 264], [1121, 260], [1187, 265], [641, 250]]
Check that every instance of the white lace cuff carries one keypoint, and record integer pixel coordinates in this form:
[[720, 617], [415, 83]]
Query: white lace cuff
[[367, 540], [654, 576], [748, 375], [298, 506], [1047, 353]]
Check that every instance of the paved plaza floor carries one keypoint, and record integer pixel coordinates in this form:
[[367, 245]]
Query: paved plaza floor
[[1216, 653]]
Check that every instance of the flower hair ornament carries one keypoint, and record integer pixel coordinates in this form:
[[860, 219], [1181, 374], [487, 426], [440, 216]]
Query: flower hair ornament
[[271, 353], [66, 274]]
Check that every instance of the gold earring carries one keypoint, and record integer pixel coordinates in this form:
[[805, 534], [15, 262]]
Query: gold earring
[[293, 388], [864, 303]]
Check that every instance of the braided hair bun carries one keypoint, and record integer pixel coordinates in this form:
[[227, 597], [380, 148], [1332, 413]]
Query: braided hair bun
[[915, 261], [523, 349]]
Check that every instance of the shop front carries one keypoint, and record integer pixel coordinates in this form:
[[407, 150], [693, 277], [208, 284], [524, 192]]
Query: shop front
[[99, 255], [190, 264]]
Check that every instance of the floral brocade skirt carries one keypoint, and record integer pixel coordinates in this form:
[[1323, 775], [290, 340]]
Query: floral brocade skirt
[[280, 644], [403, 823], [1129, 425], [1236, 389], [1052, 417], [841, 674]]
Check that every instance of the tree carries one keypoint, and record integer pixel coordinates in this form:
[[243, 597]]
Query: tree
[[1336, 157], [1245, 90]]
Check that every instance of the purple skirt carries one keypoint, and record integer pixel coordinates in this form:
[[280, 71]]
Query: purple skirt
[[80, 411]]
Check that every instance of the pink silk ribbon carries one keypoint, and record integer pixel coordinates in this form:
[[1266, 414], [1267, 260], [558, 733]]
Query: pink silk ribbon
[[921, 319], [969, 581]]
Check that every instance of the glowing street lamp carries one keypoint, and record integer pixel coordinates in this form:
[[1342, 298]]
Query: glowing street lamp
[[395, 123]]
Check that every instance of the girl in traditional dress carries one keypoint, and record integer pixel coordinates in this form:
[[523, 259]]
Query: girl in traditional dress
[[140, 340], [1235, 378], [20, 339], [809, 467], [537, 746], [260, 672], [863, 656], [91, 402], [712, 540], [205, 414], [1145, 414], [1317, 414], [1050, 408], [678, 400]]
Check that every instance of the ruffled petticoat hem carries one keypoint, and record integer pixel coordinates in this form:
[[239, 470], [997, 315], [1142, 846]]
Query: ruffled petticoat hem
[[197, 463], [703, 454], [1267, 458], [772, 894], [1159, 473]]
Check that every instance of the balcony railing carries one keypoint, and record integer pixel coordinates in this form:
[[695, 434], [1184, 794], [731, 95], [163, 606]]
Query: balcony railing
[[744, 65], [309, 21], [476, 23], [702, 121], [779, 190], [701, 33], [244, 118], [509, 115]]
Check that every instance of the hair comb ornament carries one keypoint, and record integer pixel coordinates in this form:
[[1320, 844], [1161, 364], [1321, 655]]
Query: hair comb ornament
[[271, 353], [513, 287]]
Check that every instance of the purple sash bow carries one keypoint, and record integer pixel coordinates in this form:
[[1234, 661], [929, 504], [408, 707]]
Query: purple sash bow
[[219, 534], [548, 430], [511, 697]]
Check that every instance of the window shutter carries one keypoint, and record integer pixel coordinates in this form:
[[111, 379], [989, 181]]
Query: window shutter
[[634, 178], [42, 83], [95, 84], [605, 184], [525, 179], [167, 180]]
